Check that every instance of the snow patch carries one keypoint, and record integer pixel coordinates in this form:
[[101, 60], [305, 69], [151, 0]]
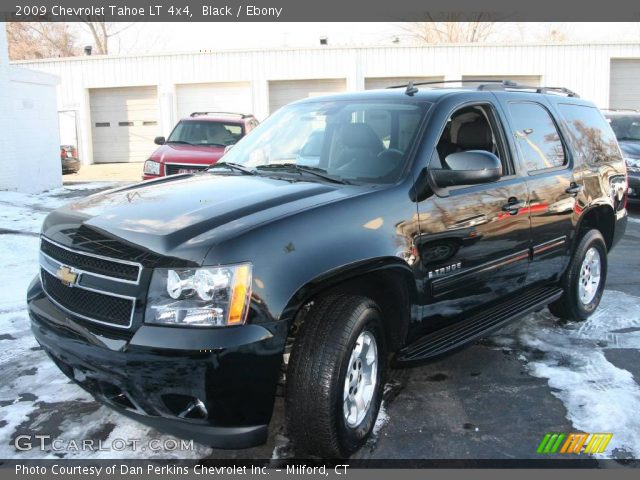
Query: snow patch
[[381, 420], [598, 396]]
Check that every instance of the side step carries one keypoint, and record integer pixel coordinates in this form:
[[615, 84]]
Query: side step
[[465, 331]]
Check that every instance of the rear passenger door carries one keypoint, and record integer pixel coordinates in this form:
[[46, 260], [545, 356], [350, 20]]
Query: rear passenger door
[[546, 161], [474, 239]]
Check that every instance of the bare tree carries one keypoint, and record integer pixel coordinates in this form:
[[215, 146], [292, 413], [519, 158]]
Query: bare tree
[[102, 32], [31, 40], [555, 33], [475, 28]]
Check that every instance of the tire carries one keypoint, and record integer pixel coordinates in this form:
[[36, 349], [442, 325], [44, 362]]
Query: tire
[[578, 303], [321, 362]]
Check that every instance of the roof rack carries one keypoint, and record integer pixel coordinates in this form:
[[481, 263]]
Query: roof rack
[[241, 115], [494, 85]]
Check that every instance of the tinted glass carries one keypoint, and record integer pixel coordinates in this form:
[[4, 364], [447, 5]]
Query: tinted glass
[[537, 136], [595, 141], [626, 127], [366, 141], [206, 133]]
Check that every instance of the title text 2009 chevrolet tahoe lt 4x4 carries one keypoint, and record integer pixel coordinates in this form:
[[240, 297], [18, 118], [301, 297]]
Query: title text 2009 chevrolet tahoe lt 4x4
[[344, 233]]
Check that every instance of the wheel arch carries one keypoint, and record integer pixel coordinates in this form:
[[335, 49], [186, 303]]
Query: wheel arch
[[388, 281], [600, 217]]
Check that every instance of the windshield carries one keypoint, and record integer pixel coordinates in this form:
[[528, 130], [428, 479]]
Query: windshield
[[626, 127], [366, 141], [205, 133]]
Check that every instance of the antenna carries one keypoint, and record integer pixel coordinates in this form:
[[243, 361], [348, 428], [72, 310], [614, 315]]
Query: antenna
[[411, 90]]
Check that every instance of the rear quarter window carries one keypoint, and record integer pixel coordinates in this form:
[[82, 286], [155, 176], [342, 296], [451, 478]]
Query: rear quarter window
[[591, 134]]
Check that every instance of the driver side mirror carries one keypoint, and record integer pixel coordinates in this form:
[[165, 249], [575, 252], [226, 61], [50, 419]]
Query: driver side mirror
[[468, 168], [159, 140]]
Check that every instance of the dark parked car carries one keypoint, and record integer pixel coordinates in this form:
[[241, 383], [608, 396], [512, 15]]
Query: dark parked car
[[69, 159], [428, 218], [626, 126], [197, 142]]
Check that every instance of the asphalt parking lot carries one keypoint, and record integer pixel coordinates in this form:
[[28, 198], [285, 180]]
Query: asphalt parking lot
[[493, 400]]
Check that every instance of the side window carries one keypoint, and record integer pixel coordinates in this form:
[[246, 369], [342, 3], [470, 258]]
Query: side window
[[470, 128], [537, 137], [594, 139]]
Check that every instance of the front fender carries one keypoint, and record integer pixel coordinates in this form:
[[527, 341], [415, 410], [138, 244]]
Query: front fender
[[296, 256], [344, 274]]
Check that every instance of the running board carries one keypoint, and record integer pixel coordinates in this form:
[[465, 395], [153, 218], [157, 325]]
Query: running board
[[479, 325]]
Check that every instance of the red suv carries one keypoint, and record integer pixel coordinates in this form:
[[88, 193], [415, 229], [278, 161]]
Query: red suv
[[197, 142]]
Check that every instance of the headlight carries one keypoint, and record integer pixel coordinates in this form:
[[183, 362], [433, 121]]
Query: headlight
[[151, 168], [201, 297], [632, 163]]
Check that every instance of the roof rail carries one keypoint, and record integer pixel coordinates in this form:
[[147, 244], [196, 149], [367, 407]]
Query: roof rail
[[232, 114], [491, 84], [635, 110], [442, 82]]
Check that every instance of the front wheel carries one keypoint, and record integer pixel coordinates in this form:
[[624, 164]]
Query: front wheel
[[335, 375], [583, 282]]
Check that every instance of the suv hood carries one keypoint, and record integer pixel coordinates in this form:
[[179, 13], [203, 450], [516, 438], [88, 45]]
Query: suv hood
[[181, 215], [630, 148], [177, 153]]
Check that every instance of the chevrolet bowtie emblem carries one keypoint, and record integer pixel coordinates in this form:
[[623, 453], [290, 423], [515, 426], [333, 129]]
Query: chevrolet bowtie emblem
[[66, 275]]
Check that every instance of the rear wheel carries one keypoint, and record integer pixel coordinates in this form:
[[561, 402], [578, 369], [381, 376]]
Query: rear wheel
[[335, 376], [584, 280]]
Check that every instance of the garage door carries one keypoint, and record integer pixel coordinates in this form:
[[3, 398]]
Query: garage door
[[124, 122], [232, 97], [380, 82], [530, 80], [282, 92], [624, 84]]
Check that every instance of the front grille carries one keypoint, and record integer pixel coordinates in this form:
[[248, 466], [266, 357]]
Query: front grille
[[172, 169], [87, 304], [91, 264]]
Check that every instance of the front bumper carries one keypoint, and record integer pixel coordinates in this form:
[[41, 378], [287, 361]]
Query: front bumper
[[215, 386], [70, 165]]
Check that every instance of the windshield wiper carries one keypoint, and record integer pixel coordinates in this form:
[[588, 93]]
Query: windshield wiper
[[181, 142], [233, 166], [318, 172]]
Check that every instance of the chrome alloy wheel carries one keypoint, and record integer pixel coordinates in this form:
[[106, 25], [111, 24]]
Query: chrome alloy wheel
[[361, 379], [589, 276]]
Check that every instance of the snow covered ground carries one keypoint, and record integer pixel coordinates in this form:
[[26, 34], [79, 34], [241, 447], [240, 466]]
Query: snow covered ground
[[36, 398]]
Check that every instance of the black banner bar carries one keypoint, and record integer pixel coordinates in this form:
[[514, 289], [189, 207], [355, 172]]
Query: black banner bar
[[319, 10]]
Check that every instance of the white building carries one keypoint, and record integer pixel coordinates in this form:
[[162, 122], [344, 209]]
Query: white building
[[121, 102], [30, 144]]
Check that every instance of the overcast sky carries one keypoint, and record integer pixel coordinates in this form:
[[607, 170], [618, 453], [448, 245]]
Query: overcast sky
[[194, 37]]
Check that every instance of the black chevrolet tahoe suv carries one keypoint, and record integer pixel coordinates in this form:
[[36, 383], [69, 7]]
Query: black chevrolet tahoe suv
[[344, 235]]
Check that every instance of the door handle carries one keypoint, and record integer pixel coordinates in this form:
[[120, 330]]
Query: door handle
[[574, 189], [513, 206]]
